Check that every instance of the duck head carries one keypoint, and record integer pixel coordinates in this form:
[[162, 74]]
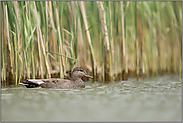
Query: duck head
[[78, 73]]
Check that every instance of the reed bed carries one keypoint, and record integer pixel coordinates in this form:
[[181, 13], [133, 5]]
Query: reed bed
[[111, 40]]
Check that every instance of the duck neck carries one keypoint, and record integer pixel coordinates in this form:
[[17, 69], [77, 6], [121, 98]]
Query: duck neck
[[76, 79], [78, 82]]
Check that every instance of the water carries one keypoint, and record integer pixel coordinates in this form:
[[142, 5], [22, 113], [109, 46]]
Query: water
[[155, 99]]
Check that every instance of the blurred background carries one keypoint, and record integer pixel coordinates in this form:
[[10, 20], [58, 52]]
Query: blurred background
[[110, 40]]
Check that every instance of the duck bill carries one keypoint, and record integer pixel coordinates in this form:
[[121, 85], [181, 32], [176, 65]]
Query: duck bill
[[88, 76]]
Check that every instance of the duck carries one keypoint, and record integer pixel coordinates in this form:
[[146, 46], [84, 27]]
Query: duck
[[77, 74]]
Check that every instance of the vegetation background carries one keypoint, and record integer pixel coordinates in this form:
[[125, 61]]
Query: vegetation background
[[110, 40]]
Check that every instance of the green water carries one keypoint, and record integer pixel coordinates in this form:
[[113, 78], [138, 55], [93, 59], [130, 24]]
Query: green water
[[155, 99]]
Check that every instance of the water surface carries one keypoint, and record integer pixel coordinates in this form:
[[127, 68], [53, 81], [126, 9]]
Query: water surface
[[154, 99]]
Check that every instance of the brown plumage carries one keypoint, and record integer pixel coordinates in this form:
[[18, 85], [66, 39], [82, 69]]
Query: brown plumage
[[77, 82]]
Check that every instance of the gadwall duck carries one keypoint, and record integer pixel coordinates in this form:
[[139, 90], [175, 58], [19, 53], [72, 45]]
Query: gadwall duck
[[77, 82]]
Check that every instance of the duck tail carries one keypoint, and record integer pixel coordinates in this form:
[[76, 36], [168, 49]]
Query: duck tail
[[31, 83]]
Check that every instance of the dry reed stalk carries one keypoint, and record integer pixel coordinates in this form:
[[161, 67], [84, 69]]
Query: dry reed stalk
[[60, 46], [136, 42], [52, 31], [40, 58], [142, 42], [74, 19], [3, 45], [83, 12], [107, 53], [81, 52], [74, 13], [81, 58], [112, 45], [41, 38], [53, 44], [143, 54], [9, 60], [124, 70], [159, 53]]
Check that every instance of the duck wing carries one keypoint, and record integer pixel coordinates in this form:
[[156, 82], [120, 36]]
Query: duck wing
[[57, 83]]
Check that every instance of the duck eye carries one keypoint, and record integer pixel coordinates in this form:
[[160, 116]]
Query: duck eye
[[81, 70]]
